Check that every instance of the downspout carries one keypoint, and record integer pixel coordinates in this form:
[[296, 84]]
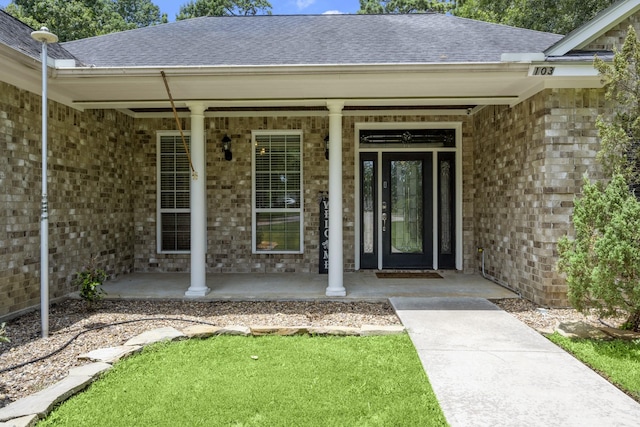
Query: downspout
[[494, 279]]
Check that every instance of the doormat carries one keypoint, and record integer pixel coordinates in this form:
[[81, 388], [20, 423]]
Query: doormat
[[408, 275]]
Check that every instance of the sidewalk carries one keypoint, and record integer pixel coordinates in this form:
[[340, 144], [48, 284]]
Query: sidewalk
[[489, 369]]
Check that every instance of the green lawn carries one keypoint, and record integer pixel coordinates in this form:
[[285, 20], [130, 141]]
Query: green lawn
[[261, 381], [617, 360]]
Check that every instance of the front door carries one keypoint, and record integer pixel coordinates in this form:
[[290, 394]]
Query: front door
[[397, 223], [406, 211]]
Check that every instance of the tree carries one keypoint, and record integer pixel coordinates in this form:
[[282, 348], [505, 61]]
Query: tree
[[76, 19], [602, 262], [198, 8], [555, 16], [140, 13], [404, 6], [620, 145]]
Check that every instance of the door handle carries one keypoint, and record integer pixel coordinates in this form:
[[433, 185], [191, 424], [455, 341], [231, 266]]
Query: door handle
[[384, 221]]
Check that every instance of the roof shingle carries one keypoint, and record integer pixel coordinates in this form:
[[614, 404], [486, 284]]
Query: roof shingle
[[310, 40], [17, 35]]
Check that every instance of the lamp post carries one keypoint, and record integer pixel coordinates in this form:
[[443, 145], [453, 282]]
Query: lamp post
[[45, 37]]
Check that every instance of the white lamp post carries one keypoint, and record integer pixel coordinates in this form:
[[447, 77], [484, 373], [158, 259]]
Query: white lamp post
[[45, 37]]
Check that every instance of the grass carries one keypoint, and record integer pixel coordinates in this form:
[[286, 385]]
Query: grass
[[261, 381], [616, 360]]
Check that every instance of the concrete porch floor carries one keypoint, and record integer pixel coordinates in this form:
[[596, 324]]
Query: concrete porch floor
[[360, 285]]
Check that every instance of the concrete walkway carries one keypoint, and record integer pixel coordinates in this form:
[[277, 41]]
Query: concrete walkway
[[489, 369]]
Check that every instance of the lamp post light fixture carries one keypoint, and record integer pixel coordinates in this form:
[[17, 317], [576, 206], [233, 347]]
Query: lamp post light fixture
[[226, 147], [326, 147], [45, 37]]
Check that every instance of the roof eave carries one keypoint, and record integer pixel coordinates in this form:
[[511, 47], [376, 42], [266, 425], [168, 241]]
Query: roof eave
[[142, 71]]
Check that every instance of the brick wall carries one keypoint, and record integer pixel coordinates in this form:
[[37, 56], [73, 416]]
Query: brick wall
[[229, 193], [90, 202], [529, 164]]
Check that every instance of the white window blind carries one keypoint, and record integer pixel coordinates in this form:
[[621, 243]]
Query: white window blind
[[174, 177]]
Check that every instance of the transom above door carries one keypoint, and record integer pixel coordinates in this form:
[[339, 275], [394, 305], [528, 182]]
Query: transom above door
[[407, 209]]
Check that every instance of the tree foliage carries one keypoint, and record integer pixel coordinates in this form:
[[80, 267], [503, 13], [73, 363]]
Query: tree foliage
[[554, 16], [620, 149], [76, 19], [196, 8], [602, 262], [404, 6]]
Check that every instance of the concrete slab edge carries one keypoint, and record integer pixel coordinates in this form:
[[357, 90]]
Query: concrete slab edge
[[27, 411]]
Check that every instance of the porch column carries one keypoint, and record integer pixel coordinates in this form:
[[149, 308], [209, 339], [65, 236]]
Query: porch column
[[198, 197], [336, 263]]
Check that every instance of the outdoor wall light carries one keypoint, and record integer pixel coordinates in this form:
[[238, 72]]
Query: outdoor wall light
[[226, 147], [326, 147]]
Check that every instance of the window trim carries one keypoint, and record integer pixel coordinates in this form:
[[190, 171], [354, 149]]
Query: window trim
[[159, 209], [255, 211]]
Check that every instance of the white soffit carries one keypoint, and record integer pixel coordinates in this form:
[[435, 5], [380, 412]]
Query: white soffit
[[522, 57]]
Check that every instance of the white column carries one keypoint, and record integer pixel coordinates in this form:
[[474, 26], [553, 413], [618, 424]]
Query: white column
[[336, 262], [198, 285]]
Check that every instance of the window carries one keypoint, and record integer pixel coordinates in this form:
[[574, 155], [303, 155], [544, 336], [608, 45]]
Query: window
[[174, 178], [277, 192]]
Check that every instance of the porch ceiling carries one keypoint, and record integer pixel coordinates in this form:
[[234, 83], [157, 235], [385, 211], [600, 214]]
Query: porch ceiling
[[296, 88], [371, 86]]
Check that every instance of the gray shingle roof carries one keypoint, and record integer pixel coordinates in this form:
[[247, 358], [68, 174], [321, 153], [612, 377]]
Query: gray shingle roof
[[310, 39], [17, 35]]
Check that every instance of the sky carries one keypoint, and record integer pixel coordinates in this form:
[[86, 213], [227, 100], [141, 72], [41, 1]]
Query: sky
[[280, 7]]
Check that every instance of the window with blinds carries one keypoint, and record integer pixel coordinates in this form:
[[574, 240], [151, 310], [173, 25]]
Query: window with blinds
[[277, 192], [174, 177]]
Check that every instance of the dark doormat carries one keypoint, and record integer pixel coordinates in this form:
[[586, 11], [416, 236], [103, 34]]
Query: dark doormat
[[408, 275]]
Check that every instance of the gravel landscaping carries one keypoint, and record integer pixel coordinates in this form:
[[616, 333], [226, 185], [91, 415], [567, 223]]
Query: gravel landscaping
[[70, 318]]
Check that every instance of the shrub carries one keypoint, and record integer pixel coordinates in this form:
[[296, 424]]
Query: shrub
[[602, 262], [90, 281], [3, 333]]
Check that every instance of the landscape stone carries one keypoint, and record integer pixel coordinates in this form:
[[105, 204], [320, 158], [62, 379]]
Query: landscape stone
[[200, 331], [110, 354], [26, 421], [335, 330], [155, 335], [279, 330], [620, 333], [580, 330], [42, 402], [235, 330], [91, 369], [373, 330]]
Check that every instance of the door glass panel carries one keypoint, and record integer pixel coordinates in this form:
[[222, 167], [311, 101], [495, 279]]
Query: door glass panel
[[406, 206], [368, 188], [445, 207]]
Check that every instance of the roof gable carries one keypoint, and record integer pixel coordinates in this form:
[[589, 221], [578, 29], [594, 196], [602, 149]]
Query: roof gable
[[310, 40], [592, 30]]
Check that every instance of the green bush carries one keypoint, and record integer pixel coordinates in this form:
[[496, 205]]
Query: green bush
[[3, 333], [90, 282], [602, 262]]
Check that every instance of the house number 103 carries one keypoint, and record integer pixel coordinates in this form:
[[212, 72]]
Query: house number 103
[[543, 71]]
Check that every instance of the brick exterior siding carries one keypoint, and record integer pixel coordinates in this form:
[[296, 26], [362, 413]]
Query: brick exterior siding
[[529, 164], [90, 197]]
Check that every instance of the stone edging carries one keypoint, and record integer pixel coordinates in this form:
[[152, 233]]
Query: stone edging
[[28, 411]]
